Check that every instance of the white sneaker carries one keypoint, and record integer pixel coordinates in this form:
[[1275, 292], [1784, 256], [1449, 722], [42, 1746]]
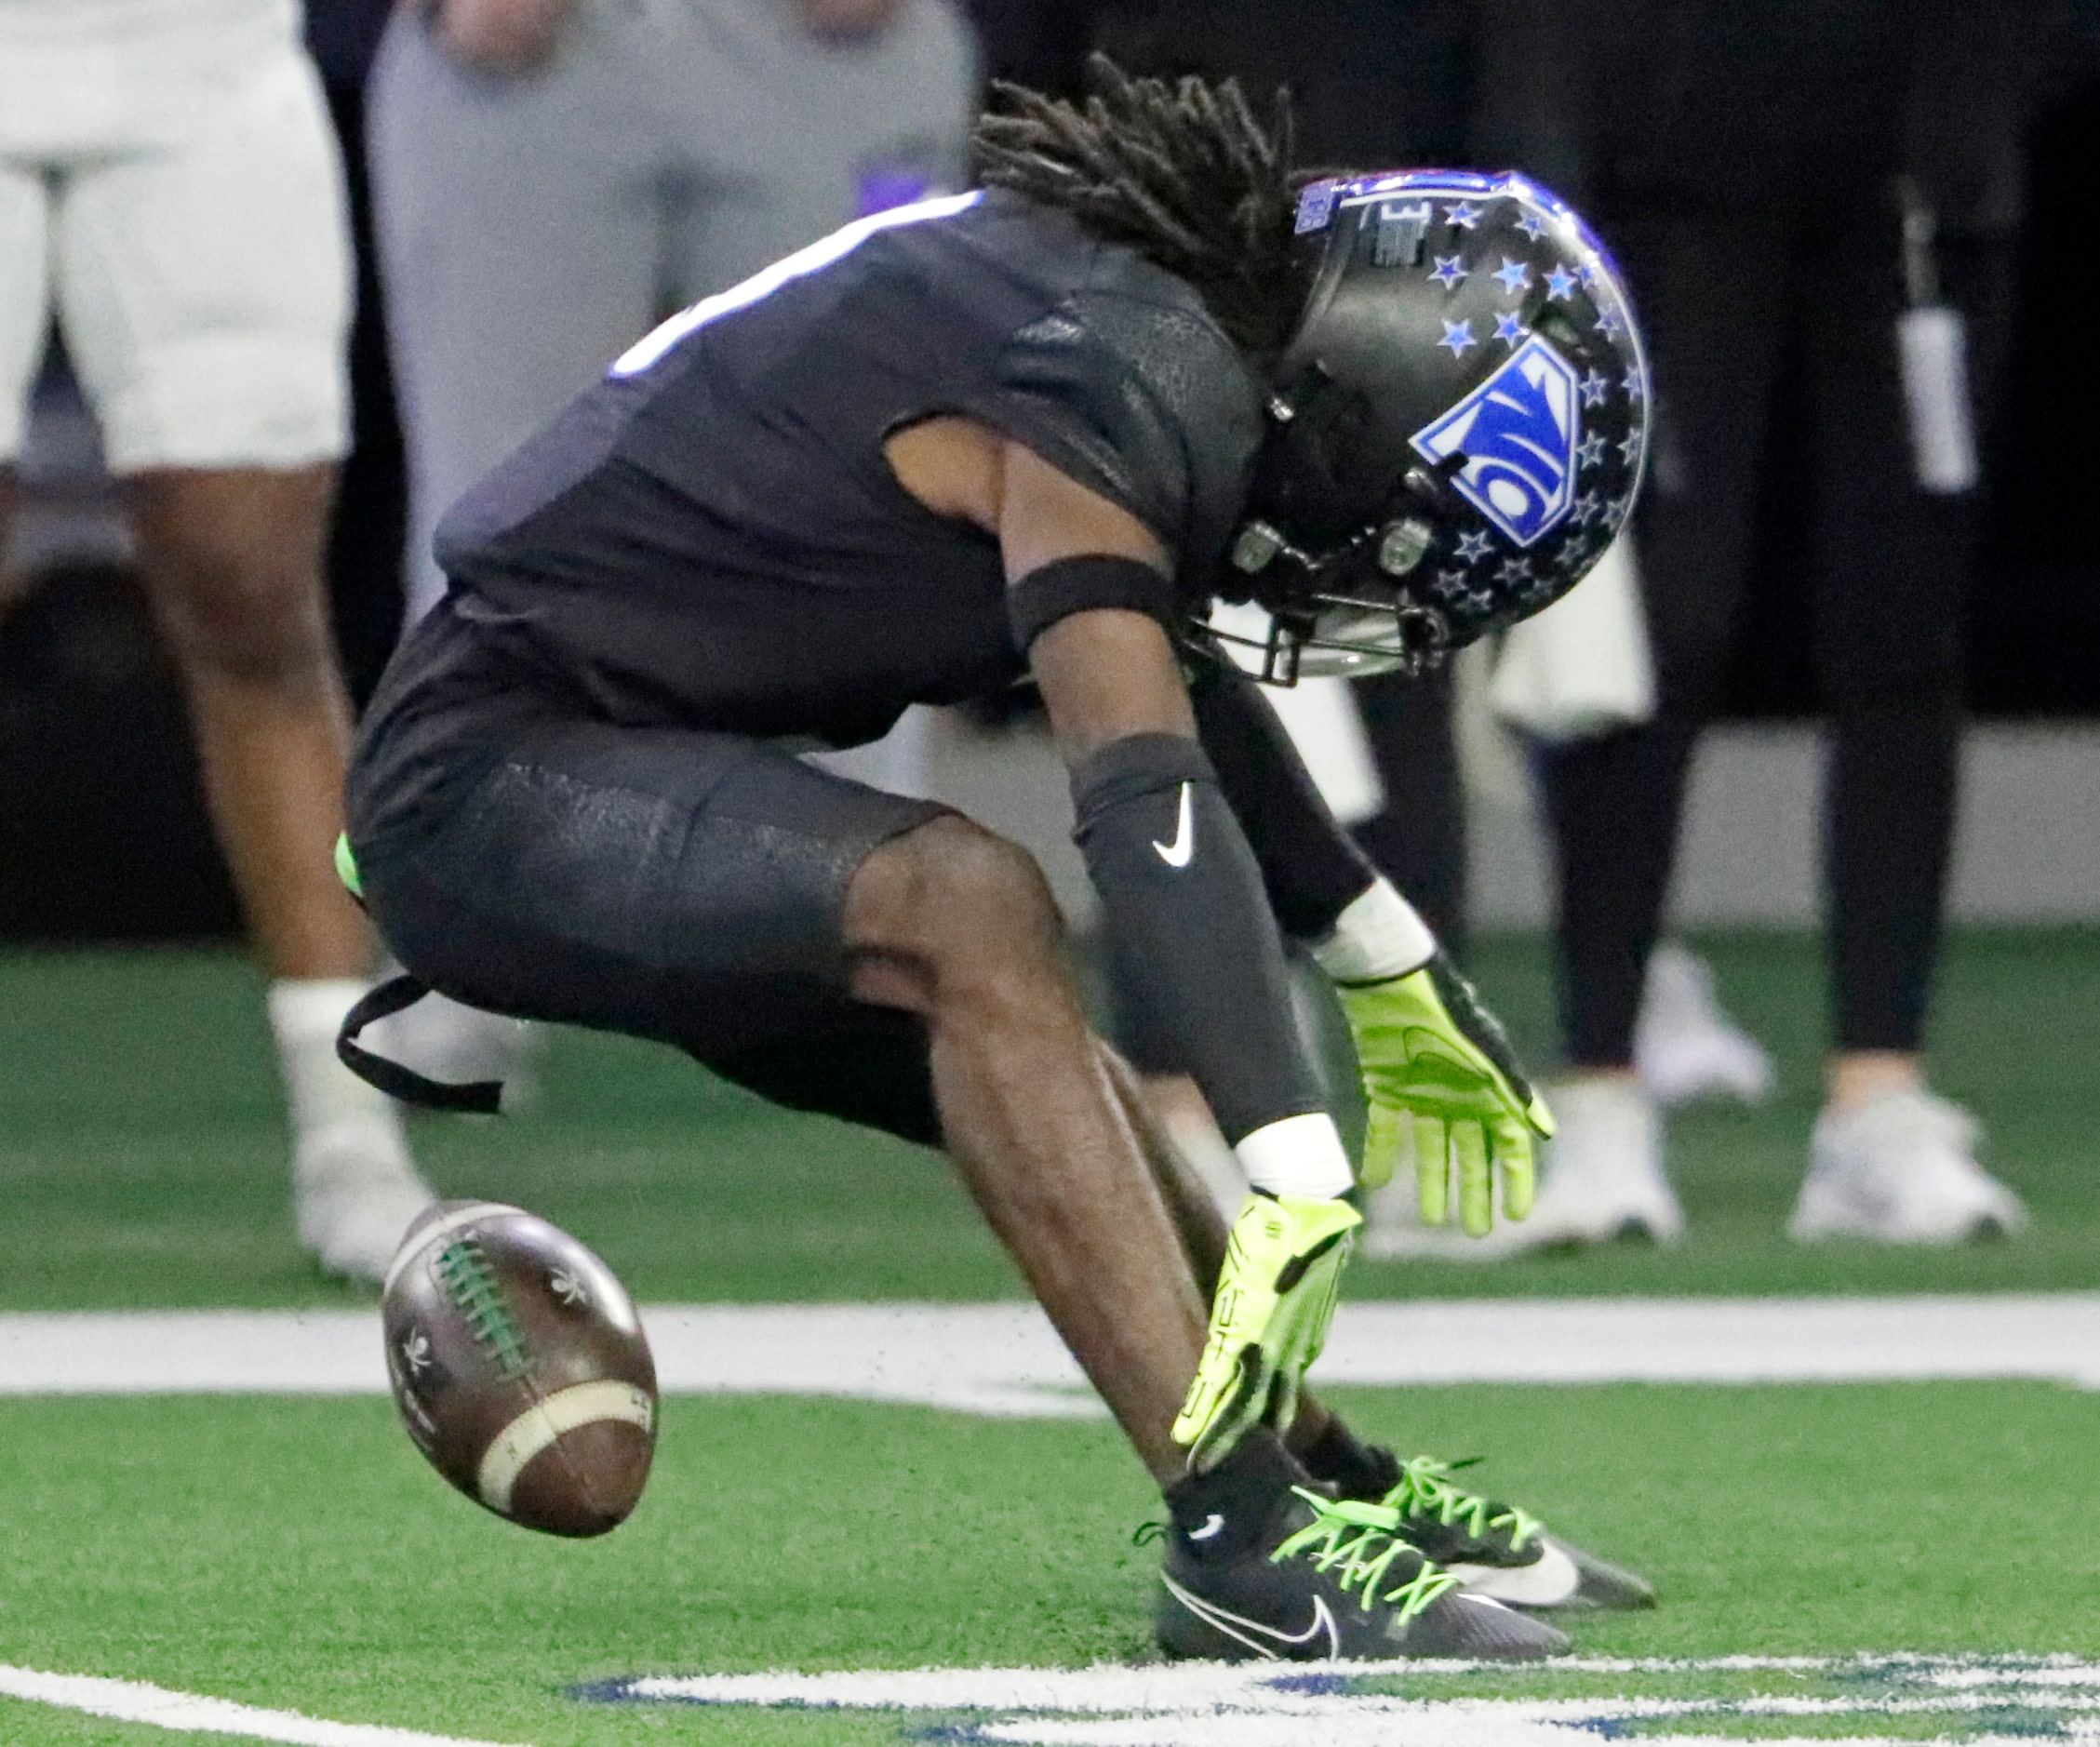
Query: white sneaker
[[1603, 1179], [1900, 1168], [448, 1041], [1685, 1047], [356, 1192]]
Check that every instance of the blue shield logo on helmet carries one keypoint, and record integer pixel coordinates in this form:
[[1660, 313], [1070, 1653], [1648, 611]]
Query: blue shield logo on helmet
[[1518, 433]]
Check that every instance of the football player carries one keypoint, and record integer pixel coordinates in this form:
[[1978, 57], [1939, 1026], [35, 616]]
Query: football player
[[1033, 431]]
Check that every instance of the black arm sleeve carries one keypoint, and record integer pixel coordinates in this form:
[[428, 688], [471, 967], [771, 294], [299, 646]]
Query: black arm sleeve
[[1197, 955], [1311, 867]]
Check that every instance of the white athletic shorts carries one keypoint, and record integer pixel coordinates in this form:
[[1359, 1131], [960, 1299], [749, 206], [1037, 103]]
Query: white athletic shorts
[[169, 188]]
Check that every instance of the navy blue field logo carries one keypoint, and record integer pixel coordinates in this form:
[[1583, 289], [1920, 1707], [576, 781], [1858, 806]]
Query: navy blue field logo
[[1518, 431]]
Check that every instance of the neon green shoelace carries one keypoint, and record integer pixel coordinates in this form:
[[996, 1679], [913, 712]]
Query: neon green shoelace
[[1426, 1488], [1359, 1540]]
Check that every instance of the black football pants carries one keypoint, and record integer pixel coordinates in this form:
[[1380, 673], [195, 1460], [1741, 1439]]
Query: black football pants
[[523, 855], [1737, 305]]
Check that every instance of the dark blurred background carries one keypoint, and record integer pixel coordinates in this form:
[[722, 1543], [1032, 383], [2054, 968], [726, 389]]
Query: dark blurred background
[[101, 835]]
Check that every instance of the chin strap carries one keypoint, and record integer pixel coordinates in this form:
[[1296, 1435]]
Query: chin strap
[[397, 994]]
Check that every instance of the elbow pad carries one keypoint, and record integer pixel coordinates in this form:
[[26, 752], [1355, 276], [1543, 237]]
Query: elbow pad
[[1197, 951]]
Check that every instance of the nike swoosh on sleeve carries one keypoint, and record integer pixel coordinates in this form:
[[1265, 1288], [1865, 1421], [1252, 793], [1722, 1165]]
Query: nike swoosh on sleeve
[[1179, 853]]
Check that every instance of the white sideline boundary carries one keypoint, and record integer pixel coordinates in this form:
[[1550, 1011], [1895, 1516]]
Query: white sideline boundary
[[1003, 1360], [187, 1713], [1264, 1705]]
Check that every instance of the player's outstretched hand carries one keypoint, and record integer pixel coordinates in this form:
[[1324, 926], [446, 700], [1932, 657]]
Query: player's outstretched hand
[[1438, 1069], [1268, 1320]]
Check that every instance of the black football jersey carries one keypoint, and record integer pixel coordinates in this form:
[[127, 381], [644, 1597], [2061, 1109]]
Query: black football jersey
[[711, 536]]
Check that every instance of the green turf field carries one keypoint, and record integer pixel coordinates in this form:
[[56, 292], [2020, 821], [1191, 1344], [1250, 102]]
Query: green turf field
[[297, 1555], [139, 1142]]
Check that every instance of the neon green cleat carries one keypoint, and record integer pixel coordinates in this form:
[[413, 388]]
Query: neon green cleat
[[1497, 1550], [1275, 1299]]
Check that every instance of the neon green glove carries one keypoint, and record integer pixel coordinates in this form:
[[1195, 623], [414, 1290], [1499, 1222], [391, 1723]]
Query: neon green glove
[[1275, 1299], [1436, 1061]]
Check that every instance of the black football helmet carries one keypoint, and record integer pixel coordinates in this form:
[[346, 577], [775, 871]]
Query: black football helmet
[[1456, 431]]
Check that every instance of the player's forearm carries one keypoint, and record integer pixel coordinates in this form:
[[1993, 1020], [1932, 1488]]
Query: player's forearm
[[1198, 952]]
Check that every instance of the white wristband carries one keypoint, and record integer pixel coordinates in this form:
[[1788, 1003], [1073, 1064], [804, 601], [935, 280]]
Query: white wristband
[[1299, 1155], [1377, 937]]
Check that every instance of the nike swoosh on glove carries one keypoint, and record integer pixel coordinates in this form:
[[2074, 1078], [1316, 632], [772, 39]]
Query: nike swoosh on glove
[[1433, 1059]]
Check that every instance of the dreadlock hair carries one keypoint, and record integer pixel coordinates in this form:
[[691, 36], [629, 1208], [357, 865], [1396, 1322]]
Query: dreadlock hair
[[1184, 173]]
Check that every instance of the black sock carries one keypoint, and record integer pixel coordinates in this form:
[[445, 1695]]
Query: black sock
[[1356, 1470], [1219, 1515]]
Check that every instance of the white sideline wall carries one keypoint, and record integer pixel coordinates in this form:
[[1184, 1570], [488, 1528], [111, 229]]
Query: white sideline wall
[[2027, 848]]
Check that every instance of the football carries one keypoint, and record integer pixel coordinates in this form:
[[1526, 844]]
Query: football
[[520, 1367]]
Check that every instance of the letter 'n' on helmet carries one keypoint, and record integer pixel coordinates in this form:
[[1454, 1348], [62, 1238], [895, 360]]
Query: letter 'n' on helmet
[[1457, 430]]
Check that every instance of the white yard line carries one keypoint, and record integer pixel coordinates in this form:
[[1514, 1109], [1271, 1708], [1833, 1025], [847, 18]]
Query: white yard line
[[1274, 1705], [187, 1713], [1004, 1361]]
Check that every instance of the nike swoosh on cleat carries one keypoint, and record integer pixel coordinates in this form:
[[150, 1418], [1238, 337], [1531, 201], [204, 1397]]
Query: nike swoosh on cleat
[[1550, 1578], [1211, 1523], [1179, 852], [1238, 1627]]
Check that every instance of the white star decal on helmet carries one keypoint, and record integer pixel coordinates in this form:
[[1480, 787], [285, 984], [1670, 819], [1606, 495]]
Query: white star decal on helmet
[[1458, 337], [1515, 275]]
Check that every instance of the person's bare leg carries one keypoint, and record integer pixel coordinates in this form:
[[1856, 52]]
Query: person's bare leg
[[233, 565], [232, 561], [1859, 1077], [1199, 1224], [7, 522], [13, 587], [959, 927]]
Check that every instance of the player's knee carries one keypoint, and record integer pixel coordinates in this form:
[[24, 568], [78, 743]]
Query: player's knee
[[986, 888], [963, 903]]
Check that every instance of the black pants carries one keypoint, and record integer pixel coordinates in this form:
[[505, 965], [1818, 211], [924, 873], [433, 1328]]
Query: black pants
[[1736, 304], [524, 856]]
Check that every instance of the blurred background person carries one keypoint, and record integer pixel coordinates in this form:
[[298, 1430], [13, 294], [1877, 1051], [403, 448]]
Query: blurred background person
[[1815, 205], [168, 189], [554, 176], [369, 537]]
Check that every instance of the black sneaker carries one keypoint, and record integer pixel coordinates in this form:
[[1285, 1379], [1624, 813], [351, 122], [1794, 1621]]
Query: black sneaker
[[1259, 1566], [1497, 1550]]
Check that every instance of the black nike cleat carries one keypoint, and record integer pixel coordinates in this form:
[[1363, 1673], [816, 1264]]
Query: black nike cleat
[[1497, 1550], [1259, 1568]]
